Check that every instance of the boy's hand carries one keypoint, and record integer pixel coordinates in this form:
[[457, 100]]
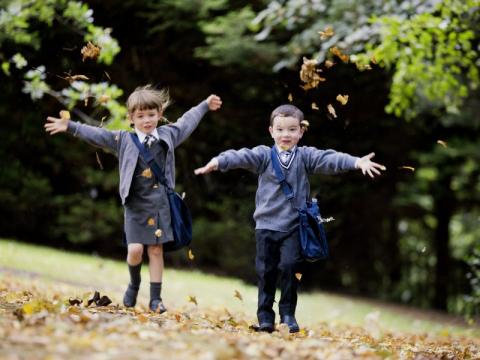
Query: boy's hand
[[211, 166], [56, 125], [214, 102], [368, 166]]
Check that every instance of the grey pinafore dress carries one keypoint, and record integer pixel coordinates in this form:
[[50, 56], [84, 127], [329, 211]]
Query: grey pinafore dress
[[147, 211]]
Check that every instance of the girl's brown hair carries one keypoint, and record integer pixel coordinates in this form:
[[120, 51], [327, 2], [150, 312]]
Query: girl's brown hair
[[147, 97]]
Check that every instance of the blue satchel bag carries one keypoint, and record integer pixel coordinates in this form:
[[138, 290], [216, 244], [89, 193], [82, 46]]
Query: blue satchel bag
[[179, 213], [313, 240]]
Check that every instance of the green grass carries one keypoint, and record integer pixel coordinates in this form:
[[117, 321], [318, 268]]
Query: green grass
[[88, 273]]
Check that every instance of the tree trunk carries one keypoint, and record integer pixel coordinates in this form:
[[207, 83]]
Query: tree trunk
[[443, 202]]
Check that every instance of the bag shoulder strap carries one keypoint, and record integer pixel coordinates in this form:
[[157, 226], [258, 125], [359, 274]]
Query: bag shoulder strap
[[150, 160], [286, 187]]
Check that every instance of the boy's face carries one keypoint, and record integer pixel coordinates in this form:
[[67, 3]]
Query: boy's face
[[145, 120], [286, 131]]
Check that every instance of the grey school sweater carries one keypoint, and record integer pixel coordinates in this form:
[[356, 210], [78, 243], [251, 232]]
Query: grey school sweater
[[272, 209]]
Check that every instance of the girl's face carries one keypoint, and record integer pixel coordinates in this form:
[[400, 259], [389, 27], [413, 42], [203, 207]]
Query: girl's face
[[286, 131], [145, 120]]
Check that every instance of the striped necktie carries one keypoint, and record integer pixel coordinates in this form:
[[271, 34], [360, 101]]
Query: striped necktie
[[148, 141]]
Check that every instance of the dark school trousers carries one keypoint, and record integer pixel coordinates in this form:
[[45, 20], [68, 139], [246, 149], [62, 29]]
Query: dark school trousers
[[278, 254]]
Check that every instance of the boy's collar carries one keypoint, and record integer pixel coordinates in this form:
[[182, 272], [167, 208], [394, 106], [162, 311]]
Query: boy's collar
[[279, 149], [141, 135]]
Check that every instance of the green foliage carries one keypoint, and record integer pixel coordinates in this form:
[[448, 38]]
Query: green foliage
[[21, 24], [433, 55]]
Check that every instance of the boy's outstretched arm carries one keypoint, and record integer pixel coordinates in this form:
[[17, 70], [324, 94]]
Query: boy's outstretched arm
[[211, 166], [369, 167]]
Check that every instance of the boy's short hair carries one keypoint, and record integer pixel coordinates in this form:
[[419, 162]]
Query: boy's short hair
[[286, 110], [147, 97]]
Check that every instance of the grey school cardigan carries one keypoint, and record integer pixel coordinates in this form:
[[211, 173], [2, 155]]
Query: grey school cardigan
[[272, 209], [121, 145]]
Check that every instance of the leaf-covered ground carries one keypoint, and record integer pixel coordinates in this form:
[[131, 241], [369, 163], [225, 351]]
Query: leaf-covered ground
[[37, 321]]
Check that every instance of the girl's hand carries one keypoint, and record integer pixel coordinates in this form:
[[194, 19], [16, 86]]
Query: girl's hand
[[214, 102], [211, 166], [56, 125], [369, 167]]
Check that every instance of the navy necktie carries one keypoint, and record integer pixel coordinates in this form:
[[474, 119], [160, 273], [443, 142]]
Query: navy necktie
[[285, 156], [148, 141]]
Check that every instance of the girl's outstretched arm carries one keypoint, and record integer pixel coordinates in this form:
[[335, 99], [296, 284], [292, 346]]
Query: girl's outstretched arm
[[55, 125]]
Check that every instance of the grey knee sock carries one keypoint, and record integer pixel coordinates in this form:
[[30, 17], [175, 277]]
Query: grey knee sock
[[135, 275], [155, 290]]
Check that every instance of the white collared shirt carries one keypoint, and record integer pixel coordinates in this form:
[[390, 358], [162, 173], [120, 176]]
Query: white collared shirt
[[142, 135]]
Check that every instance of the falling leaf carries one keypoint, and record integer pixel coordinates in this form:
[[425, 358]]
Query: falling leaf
[[72, 78], [424, 249], [190, 254], [290, 97], [411, 168], [99, 162], [314, 106], [147, 173], [238, 295], [183, 195], [309, 74], [158, 232], [363, 67], [304, 124], [338, 53], [331, 110], [326, 33], [329, 64], [298, 276], [65, 114], [90, 51], [101, 125], [107, 75], [343, 99], [443, 143], [104, 99], [192, 299], [151, 221]]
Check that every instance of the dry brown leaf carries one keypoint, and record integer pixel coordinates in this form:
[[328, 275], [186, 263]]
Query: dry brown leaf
[[298, 276], [72, 78], [104, 99], [147, 173], [90, 51], [329, 64], [411, 168], [190, 254], [238, 295], [192, 299], [314, 106], [99, 162], [443, 143], [290, 97], [158, 232], [309, 74], [65, 114], [331, 110], [338, 53], [304, 124], [342, 99], [326, 33], [151, 221]]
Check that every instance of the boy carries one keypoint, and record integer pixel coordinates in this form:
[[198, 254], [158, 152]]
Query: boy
[[276, 230]]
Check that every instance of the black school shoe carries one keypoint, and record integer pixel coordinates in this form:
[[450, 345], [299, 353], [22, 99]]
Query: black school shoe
[[266, 326], [156, 305], [130, 297], [291, 323]]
